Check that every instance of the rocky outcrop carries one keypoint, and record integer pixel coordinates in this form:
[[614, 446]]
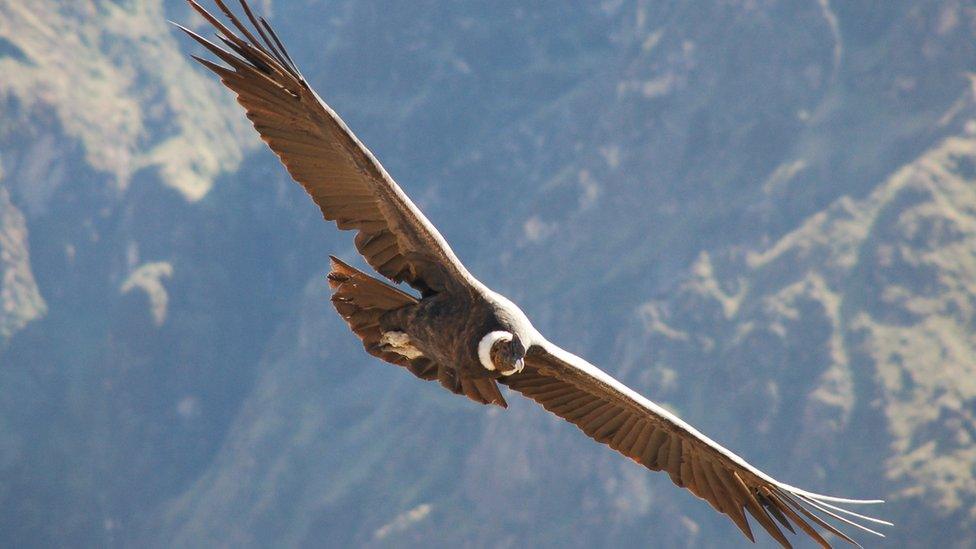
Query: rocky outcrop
[[20, 300], [760, 214]]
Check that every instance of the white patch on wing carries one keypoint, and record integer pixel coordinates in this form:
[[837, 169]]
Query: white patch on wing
[[399, 343], [395, 339], [485, 345]]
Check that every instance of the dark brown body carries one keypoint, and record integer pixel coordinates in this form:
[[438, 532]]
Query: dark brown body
[[447, 328]]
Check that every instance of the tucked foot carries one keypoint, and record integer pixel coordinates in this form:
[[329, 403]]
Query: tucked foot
[[399, 342]]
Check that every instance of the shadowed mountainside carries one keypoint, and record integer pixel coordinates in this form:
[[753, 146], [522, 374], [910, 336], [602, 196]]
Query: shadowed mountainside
[[760, 214]]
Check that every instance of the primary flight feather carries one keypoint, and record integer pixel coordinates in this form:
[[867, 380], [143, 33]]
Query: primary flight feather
[[457, 330]]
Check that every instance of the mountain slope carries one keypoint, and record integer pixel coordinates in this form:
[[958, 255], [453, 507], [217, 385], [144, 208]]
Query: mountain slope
[[759, 214]]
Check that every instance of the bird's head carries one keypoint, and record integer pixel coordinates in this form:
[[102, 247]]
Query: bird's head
[[502, 352]]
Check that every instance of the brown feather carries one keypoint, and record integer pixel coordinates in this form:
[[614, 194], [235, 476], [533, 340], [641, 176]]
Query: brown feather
[[673, 465], [798, 520], [321, 153], [629, 442], [617, 443]]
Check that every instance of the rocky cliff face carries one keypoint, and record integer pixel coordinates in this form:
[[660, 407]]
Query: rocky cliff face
[[759, 214], [20, 300]]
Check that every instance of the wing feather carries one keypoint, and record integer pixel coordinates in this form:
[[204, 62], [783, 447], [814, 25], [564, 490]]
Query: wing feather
[[611, 413], [319, 151]]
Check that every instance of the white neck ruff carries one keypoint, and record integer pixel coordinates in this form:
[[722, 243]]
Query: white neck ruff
[[487, 342]]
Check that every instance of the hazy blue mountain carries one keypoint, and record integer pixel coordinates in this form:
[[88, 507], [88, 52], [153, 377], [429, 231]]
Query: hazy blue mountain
[[759, 213]]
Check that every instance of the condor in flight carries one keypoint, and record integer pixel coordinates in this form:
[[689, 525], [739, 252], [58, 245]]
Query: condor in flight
[[460, 332]]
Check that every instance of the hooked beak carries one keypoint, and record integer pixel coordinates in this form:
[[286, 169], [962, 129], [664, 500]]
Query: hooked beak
[[519, 365]]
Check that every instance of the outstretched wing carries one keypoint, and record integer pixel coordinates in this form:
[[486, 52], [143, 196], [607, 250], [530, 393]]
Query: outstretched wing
[[322, 154], [611, 413]]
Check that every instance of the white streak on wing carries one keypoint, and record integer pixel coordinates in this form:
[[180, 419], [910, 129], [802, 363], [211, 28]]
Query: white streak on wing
[[820, 501], [820, 507], [400, 343], [485, 345], [822, 498], [606, 378], [395, 339]]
